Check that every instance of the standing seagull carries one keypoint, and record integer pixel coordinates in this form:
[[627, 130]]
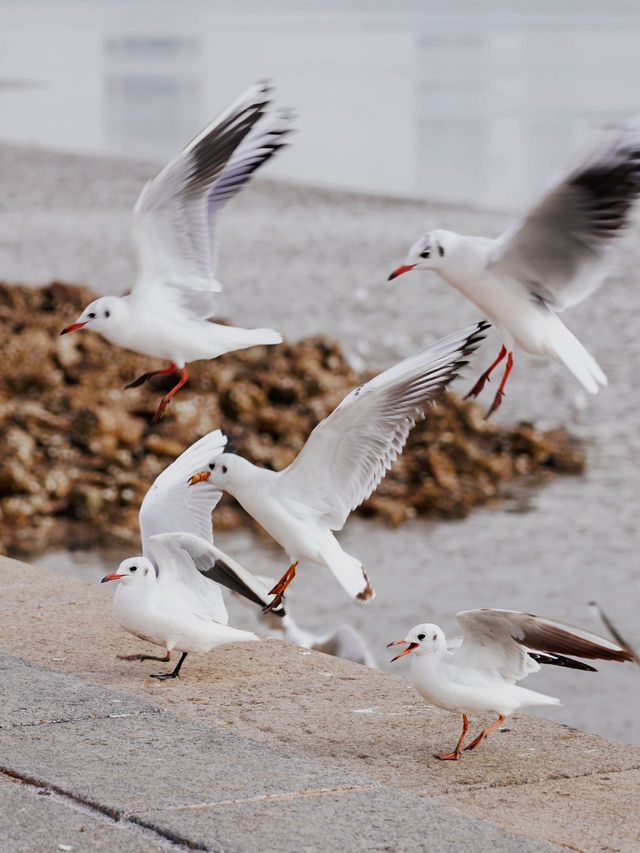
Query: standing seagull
[[170, 506], [166, 314], [161, 602], [551, 259], [345, 458], [478, 674]]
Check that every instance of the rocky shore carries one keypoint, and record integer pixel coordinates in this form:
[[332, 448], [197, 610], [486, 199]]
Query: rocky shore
[[82, 451]]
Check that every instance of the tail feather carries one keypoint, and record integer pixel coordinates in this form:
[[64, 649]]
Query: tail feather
[[234, 338], [565, 347], [351, 575]]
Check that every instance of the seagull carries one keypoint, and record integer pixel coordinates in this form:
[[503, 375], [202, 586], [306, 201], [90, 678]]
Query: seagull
[[166, 314], [170, 506], [174, 607], [343, 461], [552, 258], [478, 674]]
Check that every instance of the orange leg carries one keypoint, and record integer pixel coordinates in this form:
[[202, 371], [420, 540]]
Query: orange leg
[[486, 732], [500, 392], [184, 378], [281, 587], [147, 376], [455, 755], [477, 388]]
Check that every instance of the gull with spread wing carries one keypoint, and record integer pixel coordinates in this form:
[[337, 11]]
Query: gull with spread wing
[[159, 598], [166, 314], [170, 506], [551, 259], [479, 673], [343, 461]]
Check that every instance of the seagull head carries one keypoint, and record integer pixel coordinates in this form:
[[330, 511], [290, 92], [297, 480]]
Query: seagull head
[[422, 639], [100, 315], [138, 570], [427, 253], [224, 472]]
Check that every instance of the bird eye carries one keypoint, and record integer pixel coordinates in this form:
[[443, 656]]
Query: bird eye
[[133, 568], [426, 253], [421, 636], [107, 313], [224, 469], [91, 316], [212, 466], [441, 251]]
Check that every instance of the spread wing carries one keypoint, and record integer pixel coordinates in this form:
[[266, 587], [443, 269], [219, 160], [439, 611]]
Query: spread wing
[[349, 452], [558, 250], [174, 217], [502, 641], [170, 506], [181, 558]]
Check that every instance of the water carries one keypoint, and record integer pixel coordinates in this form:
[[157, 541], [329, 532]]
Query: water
[[415, 98]]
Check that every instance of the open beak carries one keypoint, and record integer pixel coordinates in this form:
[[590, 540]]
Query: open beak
[[200, 477], [408, 650], [114, 576], [400, 270], [72, 328]]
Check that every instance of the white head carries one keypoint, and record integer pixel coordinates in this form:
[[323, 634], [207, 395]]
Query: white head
[[225, 472], [101, 315], [427, 253], [134, 570], [423, 639]]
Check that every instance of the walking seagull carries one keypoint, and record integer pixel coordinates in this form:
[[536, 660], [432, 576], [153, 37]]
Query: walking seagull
[[159, 599], [343, 461], [478, 674], [170, 506], [552, 258], [167, 313]]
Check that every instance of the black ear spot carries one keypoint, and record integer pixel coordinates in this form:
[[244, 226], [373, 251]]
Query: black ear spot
[[146, 572], [224, 469], [435, 636], [107, 313], [440, 251]]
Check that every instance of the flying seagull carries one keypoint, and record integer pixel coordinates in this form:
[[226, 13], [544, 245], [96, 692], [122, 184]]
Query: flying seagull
[[552, 258], [166, 314]]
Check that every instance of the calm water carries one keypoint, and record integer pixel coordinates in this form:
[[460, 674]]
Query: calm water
[[419, 98]]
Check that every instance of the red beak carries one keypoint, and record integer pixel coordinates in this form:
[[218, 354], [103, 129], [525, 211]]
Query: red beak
[[72, 328], [112, 577], [408, 650], [400, 270]]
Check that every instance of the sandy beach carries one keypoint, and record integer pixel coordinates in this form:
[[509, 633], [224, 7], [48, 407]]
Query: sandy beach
[[66, 217]]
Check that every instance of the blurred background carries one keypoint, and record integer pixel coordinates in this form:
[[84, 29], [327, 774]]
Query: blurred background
[[412, 114]]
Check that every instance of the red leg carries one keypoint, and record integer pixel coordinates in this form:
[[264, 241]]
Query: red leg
[[184, 378], [147, 376], [486, 732], [281, 587], [477, 388], [455, 755], [500, 392]]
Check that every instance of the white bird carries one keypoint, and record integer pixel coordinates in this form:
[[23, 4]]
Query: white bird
[[478, 674], [166, 314], [343, 461], [552, 258], [170, 506], [166, 608]]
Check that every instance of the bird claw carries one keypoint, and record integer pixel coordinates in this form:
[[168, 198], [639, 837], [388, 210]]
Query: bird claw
[[497, 402], [160, 411], [448, 756], [163, 676]]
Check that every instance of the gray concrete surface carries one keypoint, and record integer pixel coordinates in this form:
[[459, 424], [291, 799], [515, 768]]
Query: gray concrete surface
[[266, 746]]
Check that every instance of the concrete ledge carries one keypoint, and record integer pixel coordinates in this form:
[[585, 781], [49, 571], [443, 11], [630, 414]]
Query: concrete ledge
[[267, 746]]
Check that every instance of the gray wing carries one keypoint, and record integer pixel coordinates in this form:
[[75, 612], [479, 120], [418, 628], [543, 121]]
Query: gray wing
[[181, 558], [349, 452], [170, 506], [231, 574], [502, 640], [559, 249], [173, 221]]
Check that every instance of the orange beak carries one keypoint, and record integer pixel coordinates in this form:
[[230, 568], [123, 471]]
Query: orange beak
[[408, 650], [400, 270], [112, 577], [72, 328], [200, 477]]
